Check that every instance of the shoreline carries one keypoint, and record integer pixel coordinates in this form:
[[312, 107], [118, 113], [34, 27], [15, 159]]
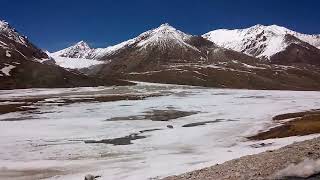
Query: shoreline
[[264, 165], [268, 164]]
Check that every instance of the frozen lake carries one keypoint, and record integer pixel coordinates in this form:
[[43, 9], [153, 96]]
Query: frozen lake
[[171, 130]]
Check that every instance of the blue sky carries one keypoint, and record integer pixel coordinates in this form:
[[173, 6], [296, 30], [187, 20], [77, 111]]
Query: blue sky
[[55, 24]]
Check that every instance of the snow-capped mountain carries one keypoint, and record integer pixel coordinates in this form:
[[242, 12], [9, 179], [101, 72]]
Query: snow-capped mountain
[[168, 55], [162, 37], [77, 56], [79, 50], [259, 40]]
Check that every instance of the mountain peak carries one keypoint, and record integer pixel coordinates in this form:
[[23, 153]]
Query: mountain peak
[[165, 25], [163, 36], [3, 24], [82, 45], [164, 28], [11, 33], [78, 50]]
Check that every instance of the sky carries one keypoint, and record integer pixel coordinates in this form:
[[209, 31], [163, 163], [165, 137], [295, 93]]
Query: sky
[[56, 24]]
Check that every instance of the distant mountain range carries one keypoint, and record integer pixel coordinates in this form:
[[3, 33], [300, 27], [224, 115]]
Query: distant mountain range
[[259, 57], [258, 41], [23, 65]]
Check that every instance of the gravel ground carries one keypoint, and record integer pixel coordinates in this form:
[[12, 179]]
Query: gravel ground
[[260, 166]]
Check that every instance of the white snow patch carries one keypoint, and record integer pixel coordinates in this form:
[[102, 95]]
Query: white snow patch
[[304, 169], [8, 53], [11, 33], [75, 63], [6, 70], [252, 67], [259, 41]]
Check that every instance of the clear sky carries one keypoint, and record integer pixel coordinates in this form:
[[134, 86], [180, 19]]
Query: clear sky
[[55, 24]]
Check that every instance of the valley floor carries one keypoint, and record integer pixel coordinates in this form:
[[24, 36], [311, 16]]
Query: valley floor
[[136, 132]]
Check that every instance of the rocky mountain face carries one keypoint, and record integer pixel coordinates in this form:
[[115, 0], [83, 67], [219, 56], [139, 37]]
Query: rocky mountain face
[[13, 43], [266, 41], [23, 65]]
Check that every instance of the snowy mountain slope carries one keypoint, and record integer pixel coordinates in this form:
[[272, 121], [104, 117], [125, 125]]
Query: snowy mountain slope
[[14, 43], [79, 50], [11, 33], [156, 47], [73, 63], [259, 41], [162, 37]]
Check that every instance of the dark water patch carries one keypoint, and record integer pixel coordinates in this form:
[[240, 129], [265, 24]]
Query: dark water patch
[[126, 118], [126, 140], [222, 93], [201, 123], [149, 130], [108, 98], [260, 145], [24, 118], [184, 93], [157, 115], [206, 122], [253, 97], [125, 105], [10, 108]]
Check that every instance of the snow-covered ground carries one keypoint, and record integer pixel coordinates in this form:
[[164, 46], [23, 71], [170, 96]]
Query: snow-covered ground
[[75, 63], [6, 70], [51, 141]]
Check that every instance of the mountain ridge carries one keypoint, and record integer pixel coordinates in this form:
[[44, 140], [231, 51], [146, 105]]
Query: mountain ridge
[[259, 40]]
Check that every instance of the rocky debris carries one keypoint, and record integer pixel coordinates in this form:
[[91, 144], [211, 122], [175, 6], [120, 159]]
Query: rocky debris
[[265, 165], [305, 169]]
